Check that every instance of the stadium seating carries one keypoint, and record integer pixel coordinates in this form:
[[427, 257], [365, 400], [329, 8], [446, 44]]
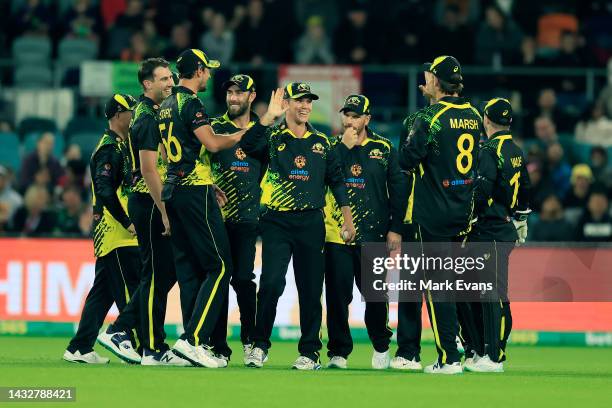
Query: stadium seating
[[80, 124], [30, 140], [33, 76], [32, 50], [87, 141], [32, 124], [10, 151]]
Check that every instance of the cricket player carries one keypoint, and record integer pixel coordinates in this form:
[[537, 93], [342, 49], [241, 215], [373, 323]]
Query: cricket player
[[301, 167], [200, 243], [239, 175], [441, 150], [377, 192], [114, 235], [502, 208]]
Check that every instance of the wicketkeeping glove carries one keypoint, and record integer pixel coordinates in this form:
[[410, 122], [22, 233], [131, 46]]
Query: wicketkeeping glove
[[520, 223]]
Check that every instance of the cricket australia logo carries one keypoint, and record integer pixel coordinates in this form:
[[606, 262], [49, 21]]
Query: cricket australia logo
[[303, 88], [318, 148], [353, 100], [238, 78], [300, 162], [376, 154], [356, 170], [240, 154]]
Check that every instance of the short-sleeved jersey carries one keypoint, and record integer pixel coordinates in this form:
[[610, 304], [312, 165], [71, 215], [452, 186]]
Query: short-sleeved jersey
[[144, 135], [110, 174], [442, 150], [377, 190], [179, 116]]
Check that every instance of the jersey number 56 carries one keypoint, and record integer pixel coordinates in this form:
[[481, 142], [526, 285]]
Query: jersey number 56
[[171, 143]]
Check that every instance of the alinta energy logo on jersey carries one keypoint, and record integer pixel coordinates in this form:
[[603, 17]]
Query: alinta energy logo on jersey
[[356, 170], [240, 165], [299, 173], [376, 154], [318, 148], [355, 181]]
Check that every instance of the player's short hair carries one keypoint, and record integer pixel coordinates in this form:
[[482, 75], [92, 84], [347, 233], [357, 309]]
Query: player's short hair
[[187, 75], [148, 66], [449, 88]]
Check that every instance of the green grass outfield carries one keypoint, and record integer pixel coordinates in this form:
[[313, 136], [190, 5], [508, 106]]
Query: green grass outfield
[[534, 377]]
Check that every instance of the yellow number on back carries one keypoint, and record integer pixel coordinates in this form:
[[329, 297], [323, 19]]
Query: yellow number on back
[[170, 142], [514, 181], [465, 152]]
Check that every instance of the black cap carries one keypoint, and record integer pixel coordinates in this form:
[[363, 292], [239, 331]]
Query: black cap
[[360, 104], [192, 59], [446, 68], [175, 77], [499, 111], [297, 90], [243, 82], [119, 103]]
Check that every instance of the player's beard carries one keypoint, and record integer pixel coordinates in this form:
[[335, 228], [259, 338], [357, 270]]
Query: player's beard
[[234, 111]]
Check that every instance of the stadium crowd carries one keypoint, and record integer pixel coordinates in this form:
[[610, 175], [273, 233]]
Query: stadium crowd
[[568, 151]]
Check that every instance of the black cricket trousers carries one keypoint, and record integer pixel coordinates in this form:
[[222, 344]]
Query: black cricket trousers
[[301, 234]]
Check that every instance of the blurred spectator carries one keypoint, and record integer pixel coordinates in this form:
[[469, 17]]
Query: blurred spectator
[[254, 36], [541, 186], [33, 218], [594, 127], [82, 20], [179, 41], [595, 225], [559, 170], [602, 171], [452, 37], [547, 107], [74, 177], [498, 40], [34, 17], [40, 159], [468, 11], [70, 213], [10, 199], [529, 52], [155, 42], [551, 227], [138, 49], [407, 34], [605, 97], [545, 131], [314, 47], [356, 40], [133, 16], [305, 9], [581, 180], [110, 10], [218, 42], [569, 54]]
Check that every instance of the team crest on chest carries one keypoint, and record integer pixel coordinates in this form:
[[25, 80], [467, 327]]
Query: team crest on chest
[[375, 154], [300, 161], [318, 148], [356, 170], [240, 154]]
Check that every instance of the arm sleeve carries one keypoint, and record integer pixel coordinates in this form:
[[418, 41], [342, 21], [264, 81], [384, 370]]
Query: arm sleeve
[[193, 114], [106, 179], [255, 142], [414, 149], [146, 132], [334, 177], [485, 180], [397, 185], [524, 187]]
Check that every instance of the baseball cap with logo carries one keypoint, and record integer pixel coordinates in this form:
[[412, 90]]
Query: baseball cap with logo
[[360, 104], [445, 67], [243, 82], [499, 111], [191, 59], [119, 103], [297, 90]]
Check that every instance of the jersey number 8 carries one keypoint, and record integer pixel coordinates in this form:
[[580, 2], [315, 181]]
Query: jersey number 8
[[465, 152], [170, 142]]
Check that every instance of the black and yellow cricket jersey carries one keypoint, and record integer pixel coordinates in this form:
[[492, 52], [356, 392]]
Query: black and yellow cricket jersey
[[144, 135], [238, 174], [442, 150], [299, 169], [376, 187], [110, 173], [179, 116], [502, 185]]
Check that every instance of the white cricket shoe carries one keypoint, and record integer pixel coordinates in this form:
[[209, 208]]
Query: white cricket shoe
[[486, 365], [246, 348], [337, 362], [88, 358], [120, 344], [436, 368], [381, 361], [199, 356], [305, 363], [166, 358], [401, 363], [256, 358], [470, 361], [222, 361]]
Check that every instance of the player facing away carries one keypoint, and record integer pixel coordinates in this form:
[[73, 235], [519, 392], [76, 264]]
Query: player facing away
[[114, 237], [200, 244], [377, 192], [239, 175], [441, 149], [301, 167], [502, 208]]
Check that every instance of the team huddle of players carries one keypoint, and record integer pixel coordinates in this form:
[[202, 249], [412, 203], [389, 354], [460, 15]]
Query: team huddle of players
[[180, 197]]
